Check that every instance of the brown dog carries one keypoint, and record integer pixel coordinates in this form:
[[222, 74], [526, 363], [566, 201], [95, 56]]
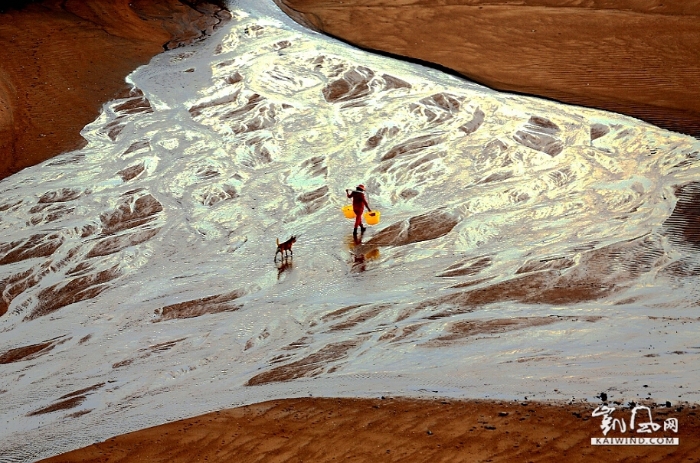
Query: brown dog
[[283, 248]]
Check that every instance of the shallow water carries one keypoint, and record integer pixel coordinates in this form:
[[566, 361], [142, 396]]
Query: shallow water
[[526, 248]]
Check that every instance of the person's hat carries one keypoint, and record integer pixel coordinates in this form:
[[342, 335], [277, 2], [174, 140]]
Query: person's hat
[[361, 187]]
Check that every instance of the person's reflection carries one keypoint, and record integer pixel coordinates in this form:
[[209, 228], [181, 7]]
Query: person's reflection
[[361, 255]]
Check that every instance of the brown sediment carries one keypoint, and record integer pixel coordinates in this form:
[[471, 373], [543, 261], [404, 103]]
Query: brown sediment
[[535, 265], [112, 244], [146, 352], [82, 391], [63, 59], [40, 245], [68, 401], [60, 196], [294, 345], [540, 134], [437, 108], [198, 307], [474, 124], [163, 346], [683, 225], [74, 290], [339, 313], [253, 341], [379, 136], [358, 318], [138, 104], [316, 166], [58, 406], [599, 273], [354, 84], [397, 334], [132, 212], [131, 172], [14, 285], [128, 224], [313, 195], [196, 110], [468, 328], [467, 267], [393, 430], [30, 352], [122, 363], [542, 287], [412, 146], [634, 57], [249, 106], [598, 131], [310, 366], [79, 413], [391, 82], [420, 228]]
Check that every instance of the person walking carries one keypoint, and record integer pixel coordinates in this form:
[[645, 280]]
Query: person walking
[[359, 202]]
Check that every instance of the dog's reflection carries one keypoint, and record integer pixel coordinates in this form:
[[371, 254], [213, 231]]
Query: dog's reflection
[[283, 265]]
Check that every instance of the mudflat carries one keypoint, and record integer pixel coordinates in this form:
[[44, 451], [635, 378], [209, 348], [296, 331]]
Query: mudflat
[[395, 430], [63, 59], [635, 57]]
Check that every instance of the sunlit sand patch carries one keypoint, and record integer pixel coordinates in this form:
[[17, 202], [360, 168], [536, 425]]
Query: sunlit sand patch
[[131, 172], [40, 245], [398, 334], [424, 227], [135, 105], [358, 318], [198, 307], [65, 404], [252, 342], [339, 313], [146, 352], [74, 290], [467, 267], [31, 352], [552, 263], [592, 275], [325, 359], [463, 330], [540, 134], [684, 222], [68, 401], [125, 226]]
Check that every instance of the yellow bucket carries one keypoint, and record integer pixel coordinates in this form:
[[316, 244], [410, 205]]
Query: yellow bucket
[[348, 212], [372, 218]]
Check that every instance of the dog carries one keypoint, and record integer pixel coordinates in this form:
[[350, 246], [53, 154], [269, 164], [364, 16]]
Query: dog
[[286, 247]]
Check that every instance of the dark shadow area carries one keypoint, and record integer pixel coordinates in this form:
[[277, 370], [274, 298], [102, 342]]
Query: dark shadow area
[[8, 5]]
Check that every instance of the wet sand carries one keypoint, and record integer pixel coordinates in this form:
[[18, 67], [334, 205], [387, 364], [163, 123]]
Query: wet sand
[[392, 430], [634, 57], [63, 59]]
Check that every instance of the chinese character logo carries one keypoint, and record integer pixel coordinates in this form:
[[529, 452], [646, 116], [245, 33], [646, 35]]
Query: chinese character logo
[[645, 427], [608, 422], [641, 421]]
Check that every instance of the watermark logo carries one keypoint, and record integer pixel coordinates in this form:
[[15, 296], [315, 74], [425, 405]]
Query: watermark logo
[[641, 422]]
